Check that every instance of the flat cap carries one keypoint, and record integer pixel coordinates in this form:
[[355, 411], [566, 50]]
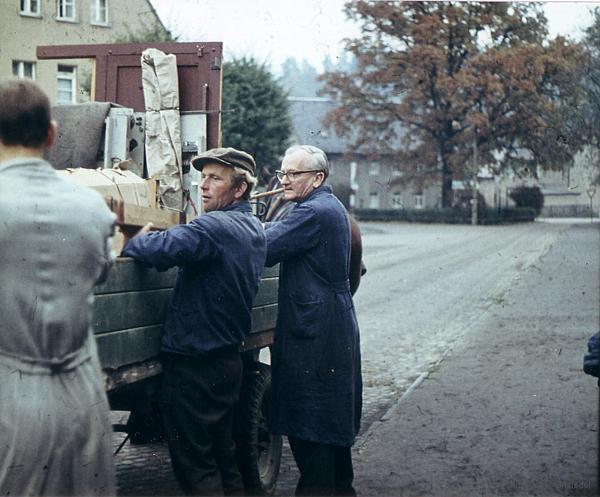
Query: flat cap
[[226, 156]]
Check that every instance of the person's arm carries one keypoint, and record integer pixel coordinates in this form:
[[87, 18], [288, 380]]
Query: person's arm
[[356, 264], [109, 260], [177, 246], [108, 254], [298, 232]]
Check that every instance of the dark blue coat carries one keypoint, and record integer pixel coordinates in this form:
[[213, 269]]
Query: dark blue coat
[[220, 256], [317, 386]]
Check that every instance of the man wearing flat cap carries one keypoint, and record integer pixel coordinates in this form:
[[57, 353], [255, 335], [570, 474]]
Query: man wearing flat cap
[[221, 255]]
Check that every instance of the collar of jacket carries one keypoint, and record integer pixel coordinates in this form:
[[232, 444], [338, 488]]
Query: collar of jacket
[[315, 192], [241, 206], [22, 161]]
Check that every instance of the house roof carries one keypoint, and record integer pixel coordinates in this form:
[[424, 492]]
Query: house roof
[[308, 114]]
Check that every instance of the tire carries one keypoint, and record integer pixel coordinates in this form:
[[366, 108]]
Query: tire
[[258, 451], [144, 427]]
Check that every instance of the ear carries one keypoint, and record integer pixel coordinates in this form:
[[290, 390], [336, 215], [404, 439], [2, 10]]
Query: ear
[[319, 180], [240, 190], [52, 133]]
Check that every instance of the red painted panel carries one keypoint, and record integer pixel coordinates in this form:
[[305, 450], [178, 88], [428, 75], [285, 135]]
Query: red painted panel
[[118, 75]]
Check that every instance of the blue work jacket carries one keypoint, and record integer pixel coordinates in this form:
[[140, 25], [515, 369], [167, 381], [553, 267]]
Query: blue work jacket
[[317, 385], [221, 255]]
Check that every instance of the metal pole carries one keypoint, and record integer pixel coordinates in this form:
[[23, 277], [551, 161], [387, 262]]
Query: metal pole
[[591, 191], [474, 202]]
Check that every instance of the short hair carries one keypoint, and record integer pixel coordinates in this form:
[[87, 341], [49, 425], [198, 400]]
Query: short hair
[[24, 114], [317, 159], [238, 176]]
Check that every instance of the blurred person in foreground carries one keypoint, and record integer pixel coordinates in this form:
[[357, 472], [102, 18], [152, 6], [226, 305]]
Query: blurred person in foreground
[[317, 384], [55, 435]]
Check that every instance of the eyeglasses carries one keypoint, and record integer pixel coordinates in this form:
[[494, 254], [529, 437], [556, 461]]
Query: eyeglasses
[[293, 174]]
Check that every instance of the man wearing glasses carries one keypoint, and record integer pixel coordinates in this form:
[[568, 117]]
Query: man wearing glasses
[[317, 384]]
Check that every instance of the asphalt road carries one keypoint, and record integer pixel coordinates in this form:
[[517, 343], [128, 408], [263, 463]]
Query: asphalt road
[[427, 288], [426, 284], [508, 410]]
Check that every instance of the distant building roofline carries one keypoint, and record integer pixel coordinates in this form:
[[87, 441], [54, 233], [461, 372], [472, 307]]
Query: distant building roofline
[[309, 99]]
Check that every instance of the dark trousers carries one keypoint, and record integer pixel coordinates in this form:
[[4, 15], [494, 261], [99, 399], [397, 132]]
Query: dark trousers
[[324, 469], [197, 400]]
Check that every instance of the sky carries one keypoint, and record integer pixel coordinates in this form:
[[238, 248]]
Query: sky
[[272, 30]]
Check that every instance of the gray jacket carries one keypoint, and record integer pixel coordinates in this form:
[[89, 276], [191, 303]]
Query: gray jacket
[[54, 241]]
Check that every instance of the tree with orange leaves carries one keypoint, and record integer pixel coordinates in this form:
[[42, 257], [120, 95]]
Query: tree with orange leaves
[[437, 81]]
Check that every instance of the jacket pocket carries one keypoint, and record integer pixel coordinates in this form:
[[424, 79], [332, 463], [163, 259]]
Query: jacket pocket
[[306, 315]]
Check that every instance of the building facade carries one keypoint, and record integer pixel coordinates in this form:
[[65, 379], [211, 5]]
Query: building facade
[[26, 24], [571, 191], [358, 179]]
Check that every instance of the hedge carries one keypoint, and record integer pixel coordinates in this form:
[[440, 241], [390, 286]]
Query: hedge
[[447, 215]]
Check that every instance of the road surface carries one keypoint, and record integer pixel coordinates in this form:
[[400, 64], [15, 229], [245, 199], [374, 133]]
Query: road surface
[[426, 288]]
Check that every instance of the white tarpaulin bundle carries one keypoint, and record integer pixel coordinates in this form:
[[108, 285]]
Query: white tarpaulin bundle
[[163, 128]]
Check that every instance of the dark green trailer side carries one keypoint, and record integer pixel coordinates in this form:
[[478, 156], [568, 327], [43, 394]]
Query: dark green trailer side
[[129, 311]]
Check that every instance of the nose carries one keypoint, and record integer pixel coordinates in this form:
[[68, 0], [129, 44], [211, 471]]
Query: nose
[[285, 181], [203, 184]]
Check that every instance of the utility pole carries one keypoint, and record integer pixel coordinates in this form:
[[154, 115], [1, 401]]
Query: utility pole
[[475, 185], [591, 191]]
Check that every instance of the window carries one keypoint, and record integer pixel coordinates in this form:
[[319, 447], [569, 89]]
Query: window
[[99, 12], [66, 81], [22, 69], [374, 169], [65, 10], [30, 7], [397, 201], [374, 200], [353, 174], [418, 201]]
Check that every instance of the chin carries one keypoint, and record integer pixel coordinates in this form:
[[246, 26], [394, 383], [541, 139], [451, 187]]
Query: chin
[[289, 195]]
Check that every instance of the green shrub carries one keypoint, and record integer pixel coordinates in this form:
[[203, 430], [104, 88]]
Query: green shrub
[[448, 215], [509, 215], [528, 196]]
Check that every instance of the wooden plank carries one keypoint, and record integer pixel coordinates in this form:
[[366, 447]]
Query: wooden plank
[[129, 276], [125, 346], [139, 216], [120, 348], [258, 340], [119, 311], [267, 292], [271, 272], [122, 311], [132, 373], [264, 318]]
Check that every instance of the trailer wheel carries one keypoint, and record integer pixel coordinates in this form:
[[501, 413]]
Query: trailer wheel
[[258, 451]]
